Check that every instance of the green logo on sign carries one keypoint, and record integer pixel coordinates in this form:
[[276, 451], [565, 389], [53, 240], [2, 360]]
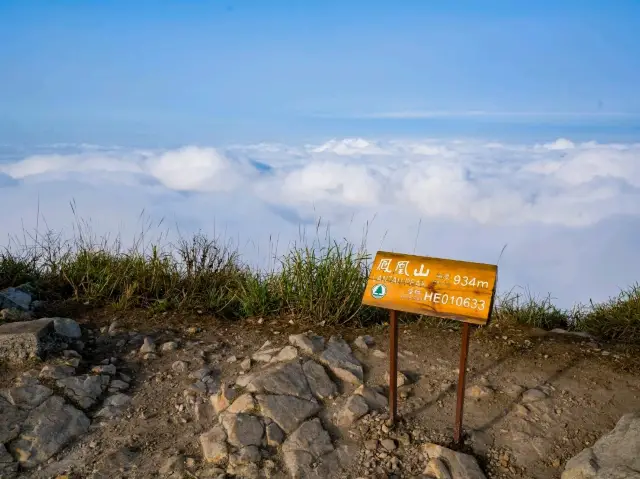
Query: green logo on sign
[[378, 291]]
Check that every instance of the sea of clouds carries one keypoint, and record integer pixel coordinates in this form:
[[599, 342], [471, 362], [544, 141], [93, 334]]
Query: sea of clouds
[[568, 213]]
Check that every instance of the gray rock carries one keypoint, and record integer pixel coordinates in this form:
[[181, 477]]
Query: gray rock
[[117, 385], [173, 467], [148, 346], [321, 385], [388, 444], [56, 372], [200, 373], [615, 455], [282, 378], [307, 344], [340, 359], [11, 419], [459, 465], [287, 411], [246, 455], [245, 365], [305, 448], [244, 403], [22, 340], [354, 408], [363, 343], [286, 354], [27, 396], [223, 398], [109, 369], [478, 391], [84, 390], [8, 467], [533, 395], [245, 471], [67, 328], [179, 367], [113, 406], [47, 429], [437, 468], [401, 378], [242, 429], [169, 346], [13, 315], [275, 435], [373, 398], [214, 445], [379, 354], [16, 298]]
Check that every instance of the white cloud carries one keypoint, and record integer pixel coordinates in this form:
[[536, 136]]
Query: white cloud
[[470, 198]]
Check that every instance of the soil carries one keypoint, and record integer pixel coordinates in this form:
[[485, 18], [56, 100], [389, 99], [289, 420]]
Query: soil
[[588, 387]]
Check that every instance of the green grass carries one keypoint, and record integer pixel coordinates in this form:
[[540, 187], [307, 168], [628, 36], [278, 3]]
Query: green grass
[[321, 281]]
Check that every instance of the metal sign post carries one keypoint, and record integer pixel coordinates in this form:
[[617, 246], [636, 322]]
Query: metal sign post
[[464, 350], [393, 365]]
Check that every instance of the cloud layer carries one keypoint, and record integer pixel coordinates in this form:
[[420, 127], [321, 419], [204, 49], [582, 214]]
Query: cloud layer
[[566, 211]]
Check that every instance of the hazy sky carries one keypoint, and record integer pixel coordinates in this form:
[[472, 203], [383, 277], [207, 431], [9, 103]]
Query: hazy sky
[[485, 122]]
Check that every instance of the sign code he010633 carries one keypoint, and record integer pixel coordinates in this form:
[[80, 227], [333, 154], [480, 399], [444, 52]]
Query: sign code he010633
[[444, 288]]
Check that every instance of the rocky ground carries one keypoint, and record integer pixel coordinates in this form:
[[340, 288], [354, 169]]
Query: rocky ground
[[131, 395]]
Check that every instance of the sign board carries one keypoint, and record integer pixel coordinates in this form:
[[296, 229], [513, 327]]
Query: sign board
[[432, 286]]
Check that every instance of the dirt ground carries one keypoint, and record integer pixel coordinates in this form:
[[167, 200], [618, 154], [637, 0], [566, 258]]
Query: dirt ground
[[588, 387]]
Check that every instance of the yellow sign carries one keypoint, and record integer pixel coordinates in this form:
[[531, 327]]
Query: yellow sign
[[432, 286]]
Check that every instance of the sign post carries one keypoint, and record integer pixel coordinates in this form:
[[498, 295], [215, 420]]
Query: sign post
[[444, 288]]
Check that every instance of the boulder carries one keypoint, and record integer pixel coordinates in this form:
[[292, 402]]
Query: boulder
[[8, 467], [84, 390], [354, 408], [281, 379], [304, 451], [287, 411], [67, 328], [27, 396], [340, 359], [458, 465], [319, 381], [242, 429], [15, 298], [24, 339], [11, 418], [373, 398]]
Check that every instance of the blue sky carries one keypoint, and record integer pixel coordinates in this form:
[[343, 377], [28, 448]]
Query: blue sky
[[200, 70]]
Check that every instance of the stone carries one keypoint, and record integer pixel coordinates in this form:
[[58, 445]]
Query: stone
[[203, 412], [245, 471], [56, 372], [287, 411], [84, 390], [169, 346], [339, 358], [214, 445], [8, 467], [307, 344], [11, 419], [265, 355], [27, 396], [513, 390], [117, 400], [305, 447], [244, 403], [148, 346], [14, 315], [117, 385], [319, 381], [70, 353], [459, 465], [47, 429], [478, 392], [437, 469], [242, 429], [246, 455], [363, 343], [67, 328], [354, 408], [388, 444], [401, 378], [24, 339], [373, 398], [286, 354], [282, 378], [109, 369], [245, 365], [179, 367], [275, 435], [533, 395], [15, 298], [379, 354], [223, 398], [174, 465], [616, 455], [201, 373]]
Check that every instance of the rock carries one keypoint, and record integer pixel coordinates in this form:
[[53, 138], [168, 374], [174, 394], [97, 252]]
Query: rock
[[616, 455], [8, 467], [117, 400], [354, 408], [179, 367], [373, 398], [246, 455], [200, 373], [388, 444], [109, 369], [117, 385], [244, 403], [513, 390], [275, 435], [56, 372], [286, 354], [84, 390], [148, 346], [174, 465], [533, 395], [14, 315], [307, 344], [459, 465], [287, 411], [379, 354], [67, 328], [577, 334], [214, 445], [245, 365], [401, 378], [15, 298], [305, 447], [223, 398], [27, 396], [478, 392], [169, 346], [321, 385], [242, 429], [11, 419], [282, 379], [22, 340], [339, 358], [203, 412], [47, 429], [265, 355], [437, 469], [245, 471], [363, 343]]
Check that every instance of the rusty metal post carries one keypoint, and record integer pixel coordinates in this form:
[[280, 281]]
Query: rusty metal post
[[393, 366], [457, 432]]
